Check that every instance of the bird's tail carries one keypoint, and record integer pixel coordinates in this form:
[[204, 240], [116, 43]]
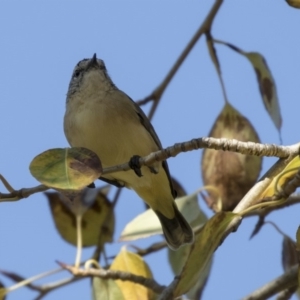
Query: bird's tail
[[177, 231]]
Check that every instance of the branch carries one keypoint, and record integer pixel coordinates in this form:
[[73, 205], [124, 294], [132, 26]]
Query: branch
[[116, 275], [246, 148], [283, 282], [205, 26], [167, 294], [151, 249]]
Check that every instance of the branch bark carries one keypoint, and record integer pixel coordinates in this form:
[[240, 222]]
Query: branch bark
[[116, 275], [283, 282]]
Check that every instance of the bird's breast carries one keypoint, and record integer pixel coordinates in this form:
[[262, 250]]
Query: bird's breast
[[113, 132]]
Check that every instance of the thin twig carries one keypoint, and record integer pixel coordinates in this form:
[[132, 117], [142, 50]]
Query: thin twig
[[47, 288], [283, 282], [214, 57], [151, 249], [205, 26], [116, 275], [167, 294], [16, 195]]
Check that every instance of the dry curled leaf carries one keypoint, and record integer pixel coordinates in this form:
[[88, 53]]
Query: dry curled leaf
[[230, 174]]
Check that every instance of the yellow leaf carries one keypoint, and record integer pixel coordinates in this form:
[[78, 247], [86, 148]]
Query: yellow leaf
[[280, 179], [130, 262], [98, 220], [206, 242], [2, 292], [66, 169]]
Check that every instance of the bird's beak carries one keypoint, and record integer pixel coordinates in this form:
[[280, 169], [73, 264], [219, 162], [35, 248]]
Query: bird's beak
[[93, 62]]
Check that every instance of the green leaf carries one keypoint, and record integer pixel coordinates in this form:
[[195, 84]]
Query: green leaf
[[66, 169], [106, 289], [206, 242], [147, 223], [179, 257]]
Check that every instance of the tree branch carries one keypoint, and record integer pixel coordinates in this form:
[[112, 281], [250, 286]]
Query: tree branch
[[283, 282], [116, 275], [246, 148], [158, 92], [151, 249]]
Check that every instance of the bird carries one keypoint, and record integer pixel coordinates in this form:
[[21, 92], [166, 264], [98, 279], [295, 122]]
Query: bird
[[107, 121]]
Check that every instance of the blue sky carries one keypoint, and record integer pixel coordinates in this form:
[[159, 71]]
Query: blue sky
[[140, 40]]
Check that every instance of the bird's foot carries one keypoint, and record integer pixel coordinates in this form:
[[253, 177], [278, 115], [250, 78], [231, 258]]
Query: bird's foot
[[134, 164]]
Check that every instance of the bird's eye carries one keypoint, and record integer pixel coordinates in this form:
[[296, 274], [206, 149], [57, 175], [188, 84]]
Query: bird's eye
[[77, 73]]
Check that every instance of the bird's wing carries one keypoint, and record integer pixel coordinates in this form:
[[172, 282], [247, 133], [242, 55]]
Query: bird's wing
[[148, 126]]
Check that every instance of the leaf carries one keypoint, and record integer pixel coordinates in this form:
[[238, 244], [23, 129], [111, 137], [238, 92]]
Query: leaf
[[293, 3], [98, 220], [179, 257], [2, 291], [266, 83], [147, 224], [67, 169], [298, 240], [196, 291], [206, 242], [289, 255], [130, 262], [106, 289], [282, 178], [230, 174]]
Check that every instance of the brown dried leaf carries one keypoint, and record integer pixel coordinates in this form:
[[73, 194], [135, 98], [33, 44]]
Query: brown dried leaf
[[266, 82], [231, 174], [267, 86], [293, 3]]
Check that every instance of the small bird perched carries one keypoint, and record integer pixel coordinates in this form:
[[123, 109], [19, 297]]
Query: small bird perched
[[105, 120]]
